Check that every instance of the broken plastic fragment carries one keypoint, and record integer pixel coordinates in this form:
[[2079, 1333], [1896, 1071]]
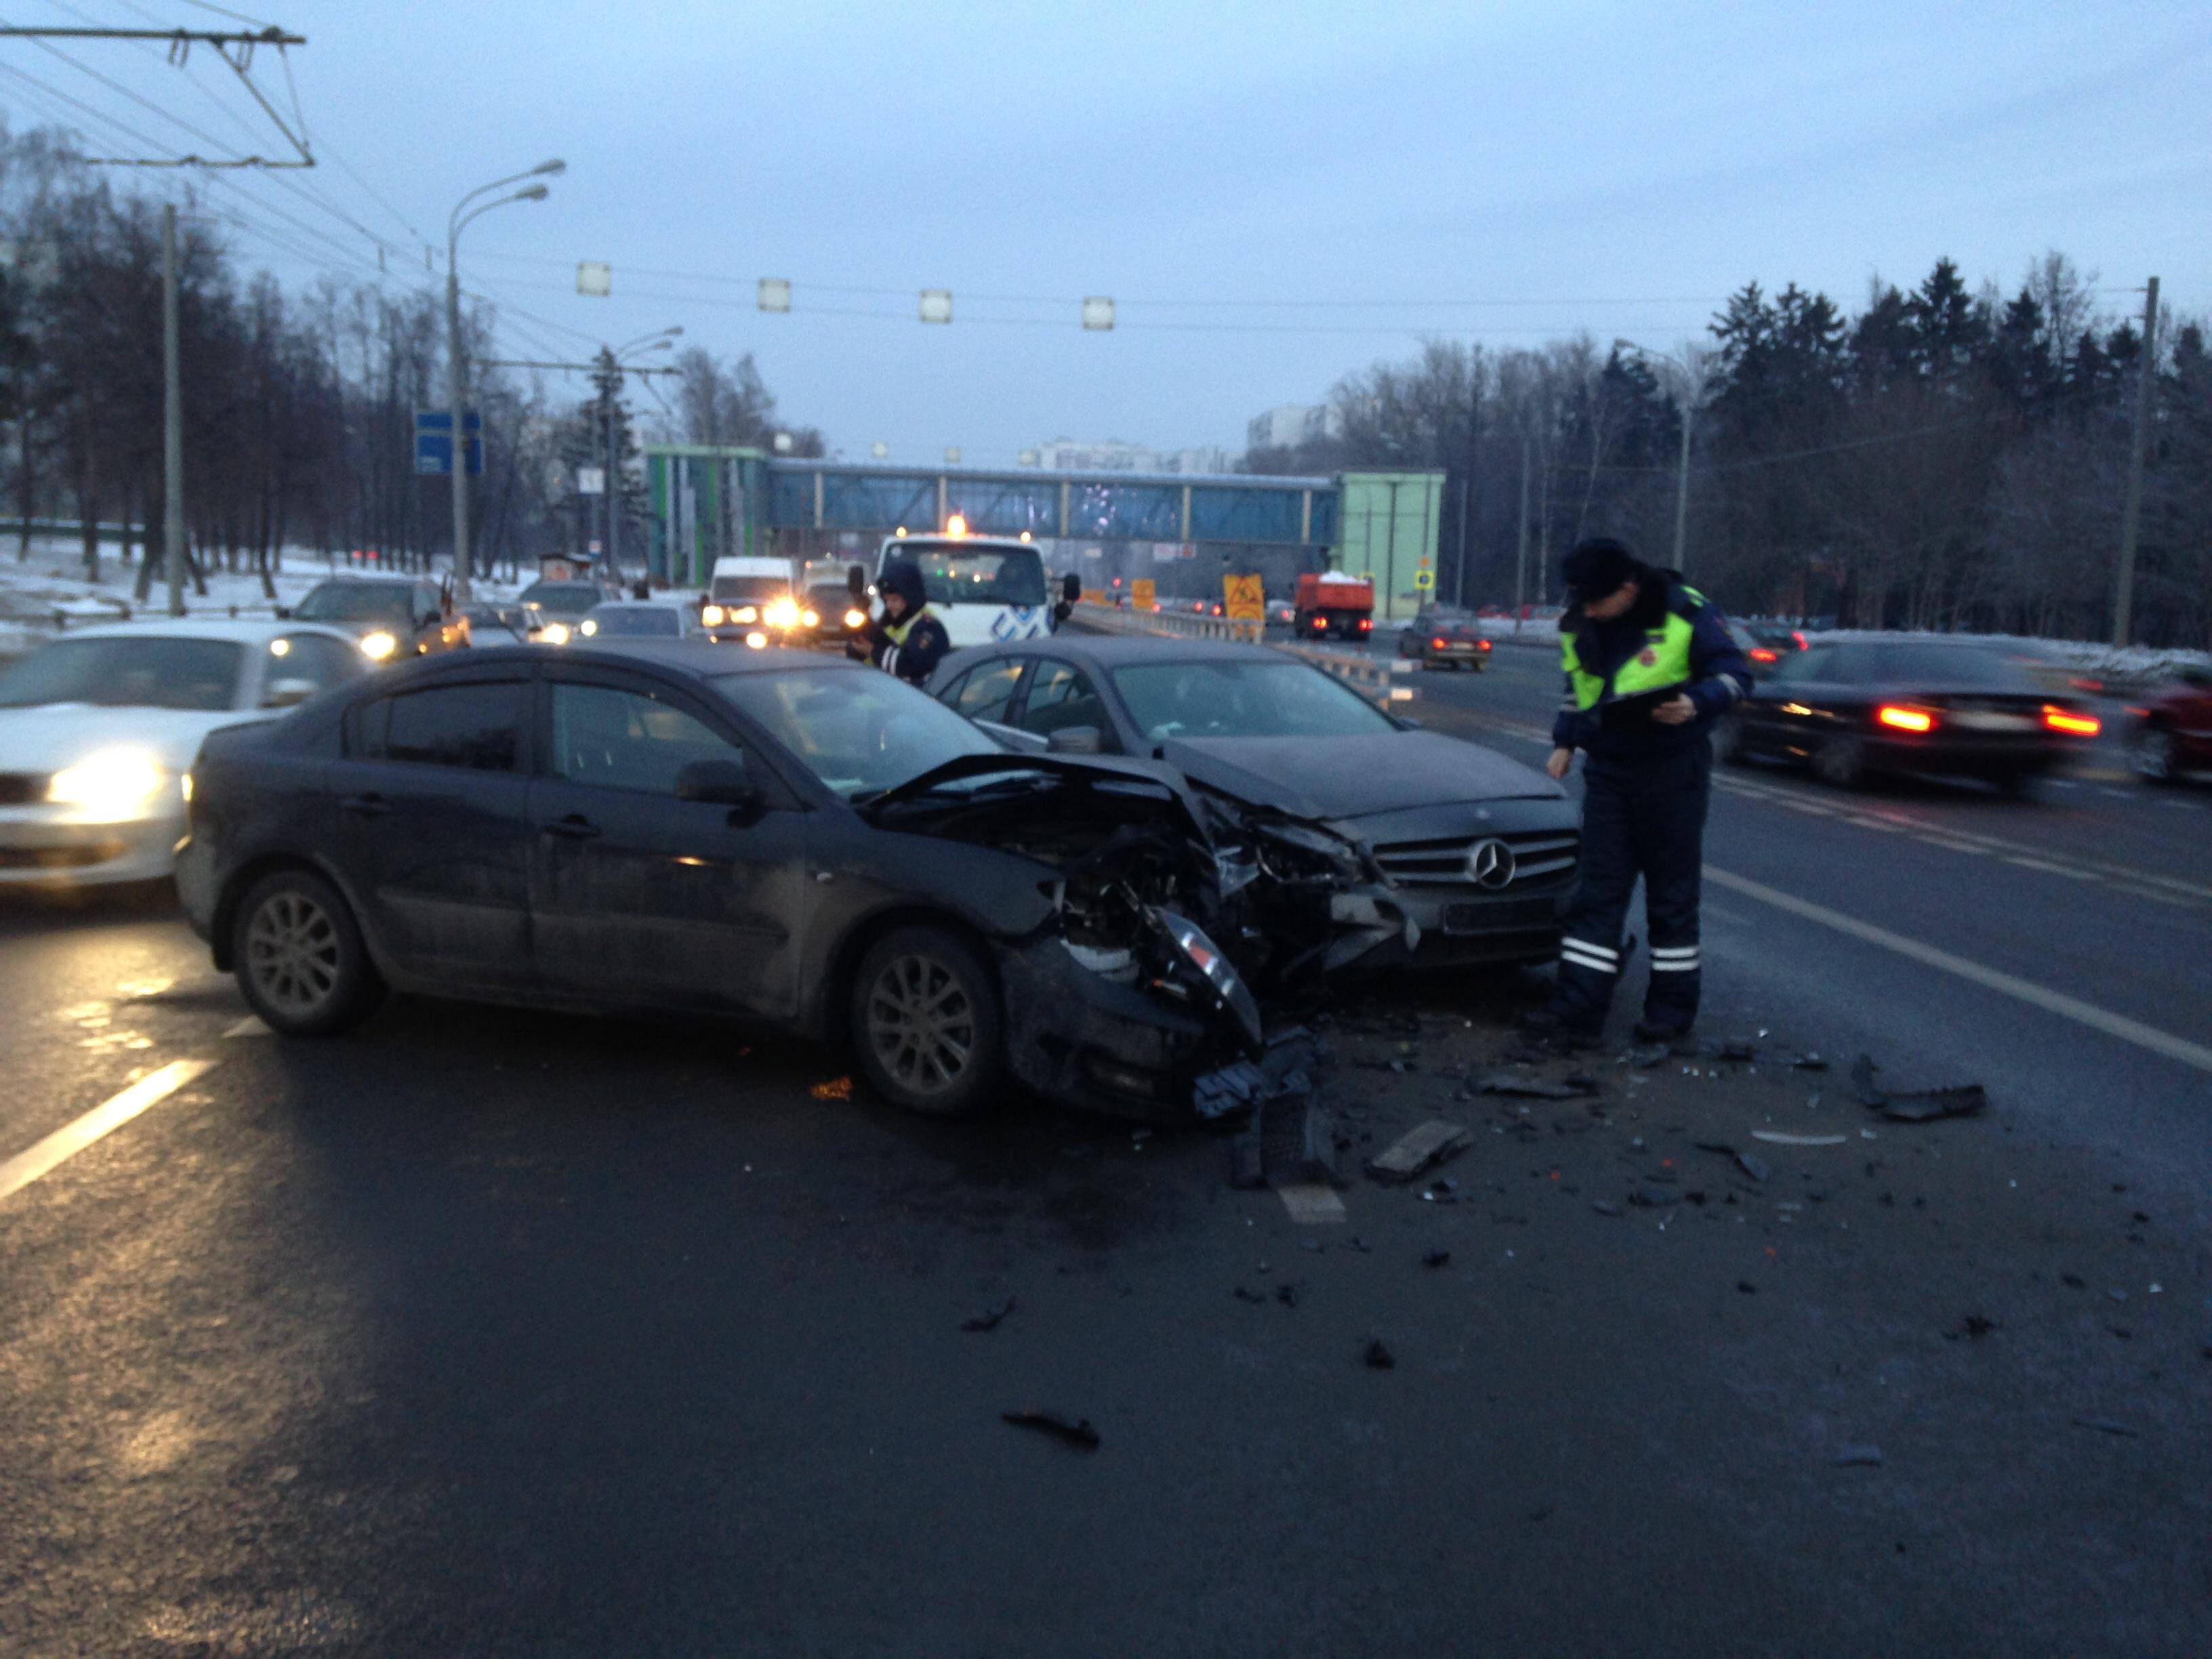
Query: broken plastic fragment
[[1379, 1358], [1079, 1433], [988, 1319], [1859, 1457], [1416, 1149]]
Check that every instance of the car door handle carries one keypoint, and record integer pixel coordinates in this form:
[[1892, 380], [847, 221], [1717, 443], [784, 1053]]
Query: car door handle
[[366, 806], [574, 827]]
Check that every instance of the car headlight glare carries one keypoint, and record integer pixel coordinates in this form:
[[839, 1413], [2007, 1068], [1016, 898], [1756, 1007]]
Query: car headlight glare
[[856, 619], [783, 614], [745, 613], [587, 627], [553, 633], [379, 645], [113, 780], [810, 618], [711, 615], [757, 639]]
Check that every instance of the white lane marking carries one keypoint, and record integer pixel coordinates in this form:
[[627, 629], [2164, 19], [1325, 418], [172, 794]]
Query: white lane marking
[[1312, 1205], [66, 1142], [1954, 846], [2055, 1002], [2053, 869], [250, 1026]]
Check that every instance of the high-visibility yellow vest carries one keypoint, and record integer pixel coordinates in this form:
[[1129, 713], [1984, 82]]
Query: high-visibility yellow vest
[[896, 632], [1664, 660]]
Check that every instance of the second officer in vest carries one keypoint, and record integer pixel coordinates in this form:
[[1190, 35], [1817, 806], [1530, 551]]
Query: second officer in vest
[[1649, 666], [908, 640]]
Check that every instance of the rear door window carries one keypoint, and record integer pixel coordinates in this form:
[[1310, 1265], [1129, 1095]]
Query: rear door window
[[476, 727], [614, 739], [1062, 696], [985, 694]]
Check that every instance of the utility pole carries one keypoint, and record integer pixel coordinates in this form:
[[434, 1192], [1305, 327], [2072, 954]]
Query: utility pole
[[1521, 555], [614, 478], [454, 381], [1459, 589], [1682, 488], [2132, 514], [172, 419]]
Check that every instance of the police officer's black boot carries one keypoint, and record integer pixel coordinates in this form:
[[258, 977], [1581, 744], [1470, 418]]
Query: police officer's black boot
[[1670, 1004]]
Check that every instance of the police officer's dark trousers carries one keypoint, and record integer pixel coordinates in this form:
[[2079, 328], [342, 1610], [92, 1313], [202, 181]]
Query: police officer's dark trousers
[[1640, 817]]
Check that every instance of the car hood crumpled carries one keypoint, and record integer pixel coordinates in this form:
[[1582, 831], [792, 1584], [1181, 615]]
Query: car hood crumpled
[[48, 738], [1091, 771], [1355, 777]]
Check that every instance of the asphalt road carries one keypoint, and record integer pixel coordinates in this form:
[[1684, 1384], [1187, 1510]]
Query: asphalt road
[[2099, 889], [491, 1331]]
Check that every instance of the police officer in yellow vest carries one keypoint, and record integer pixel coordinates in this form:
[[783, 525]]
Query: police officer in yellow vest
[[1649, 665], [907, 640]]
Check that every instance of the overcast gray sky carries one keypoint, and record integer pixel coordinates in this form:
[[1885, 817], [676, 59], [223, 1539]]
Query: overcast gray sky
[[1504, 172]]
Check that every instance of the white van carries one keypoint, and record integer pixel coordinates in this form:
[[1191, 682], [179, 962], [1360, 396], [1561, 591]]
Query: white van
[[756, 595], [985, 589]]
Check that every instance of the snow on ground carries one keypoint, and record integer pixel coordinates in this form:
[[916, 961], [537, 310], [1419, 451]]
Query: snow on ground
[[47, 593]]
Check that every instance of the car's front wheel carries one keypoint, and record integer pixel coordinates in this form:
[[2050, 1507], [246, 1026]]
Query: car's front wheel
[[299, 956], [927, 1023]]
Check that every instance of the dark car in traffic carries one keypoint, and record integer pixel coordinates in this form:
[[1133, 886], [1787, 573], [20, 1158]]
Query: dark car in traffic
[[1443, 636], [1848, 709], [2169, 735], [394, 617], [785, 835], [1479, 850]]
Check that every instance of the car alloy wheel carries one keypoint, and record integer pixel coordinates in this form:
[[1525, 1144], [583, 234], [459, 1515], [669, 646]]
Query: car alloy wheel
[[299, 957], [927, 1023], [2151, 754], [292, 952]]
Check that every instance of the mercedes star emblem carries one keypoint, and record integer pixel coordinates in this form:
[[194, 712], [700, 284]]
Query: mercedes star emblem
[[1489, 864]]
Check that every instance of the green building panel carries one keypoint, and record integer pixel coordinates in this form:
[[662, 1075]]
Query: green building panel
[[1388, 525]]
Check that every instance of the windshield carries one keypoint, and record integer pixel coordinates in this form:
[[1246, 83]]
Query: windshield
[[961, 573], [635, 622], [1236, 699], [759, 589], [128, 673], [351, 602], [1973, 667], [565, 598], [859, 730]]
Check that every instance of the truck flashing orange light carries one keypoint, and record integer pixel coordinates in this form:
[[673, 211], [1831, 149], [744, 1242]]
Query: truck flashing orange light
[[957, 524]]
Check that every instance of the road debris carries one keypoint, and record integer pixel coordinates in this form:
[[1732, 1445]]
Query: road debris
[[1973, 1325], [1537, 1088], [1916, 1105], [1783, 1138], [2106, 1425], [1808, 1062], [1422, 1146], [1435, 1258], [1379, 1358], [1079, 1433], [1243, 1295], [988, 1319], [1862, 1457], [1604, 1208]]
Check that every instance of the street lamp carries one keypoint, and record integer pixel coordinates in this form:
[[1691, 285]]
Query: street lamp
[[658, 340], [455, 377], [1684, 384]]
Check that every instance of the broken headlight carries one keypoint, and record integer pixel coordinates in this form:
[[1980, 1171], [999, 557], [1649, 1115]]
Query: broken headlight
[[1225, 983]]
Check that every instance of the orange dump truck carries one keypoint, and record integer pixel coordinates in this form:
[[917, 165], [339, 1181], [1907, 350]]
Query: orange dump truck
[[1334, 603]]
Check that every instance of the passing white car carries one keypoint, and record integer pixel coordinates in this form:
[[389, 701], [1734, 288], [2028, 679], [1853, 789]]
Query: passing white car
[[98, 728]]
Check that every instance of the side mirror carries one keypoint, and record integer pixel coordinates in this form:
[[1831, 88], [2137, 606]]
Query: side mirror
[[717, 783], [287, 694], [1071, 587], [283, 613], [856, 581], [1075, 740]]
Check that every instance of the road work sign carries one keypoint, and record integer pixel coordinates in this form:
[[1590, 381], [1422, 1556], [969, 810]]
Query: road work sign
[[1244, 599], [1141, 594]]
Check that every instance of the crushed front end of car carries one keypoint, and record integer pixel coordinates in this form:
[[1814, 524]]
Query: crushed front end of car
[[1170, 923]]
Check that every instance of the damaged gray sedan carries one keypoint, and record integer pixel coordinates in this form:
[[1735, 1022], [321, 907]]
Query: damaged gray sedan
[[776, 835]]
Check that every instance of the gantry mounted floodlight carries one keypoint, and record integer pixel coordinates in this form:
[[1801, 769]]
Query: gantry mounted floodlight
[[774, 294], [552, 169], [937, 305], [1097, 312]]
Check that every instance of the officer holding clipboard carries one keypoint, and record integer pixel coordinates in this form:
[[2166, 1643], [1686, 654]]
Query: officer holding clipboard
[[1649, 665]]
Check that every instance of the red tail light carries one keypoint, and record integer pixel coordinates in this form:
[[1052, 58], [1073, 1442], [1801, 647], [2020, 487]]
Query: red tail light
[[1482, 645], [1799, 637], [1760, 654], [1365, 623], [1436, 645], [2065, 719], [1904, 720]]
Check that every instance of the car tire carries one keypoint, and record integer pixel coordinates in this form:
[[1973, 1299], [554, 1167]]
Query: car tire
[[1728, 740], [1841, 762], [299, 957], [2150, 755], [926, 1022]]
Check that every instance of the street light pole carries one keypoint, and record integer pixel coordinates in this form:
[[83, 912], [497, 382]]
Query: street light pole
[[456, 376], [660, 341], [1683, 385], [173, 420]]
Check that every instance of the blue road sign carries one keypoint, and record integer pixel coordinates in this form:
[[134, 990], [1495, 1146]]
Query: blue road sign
[[434, 441]]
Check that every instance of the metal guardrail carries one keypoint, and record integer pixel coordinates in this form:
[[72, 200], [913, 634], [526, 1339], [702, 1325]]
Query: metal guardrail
[[1381, 677]]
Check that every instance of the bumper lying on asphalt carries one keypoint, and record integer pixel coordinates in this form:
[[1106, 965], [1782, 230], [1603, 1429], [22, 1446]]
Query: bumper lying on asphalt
[[1089, 1040], [51, 846]]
